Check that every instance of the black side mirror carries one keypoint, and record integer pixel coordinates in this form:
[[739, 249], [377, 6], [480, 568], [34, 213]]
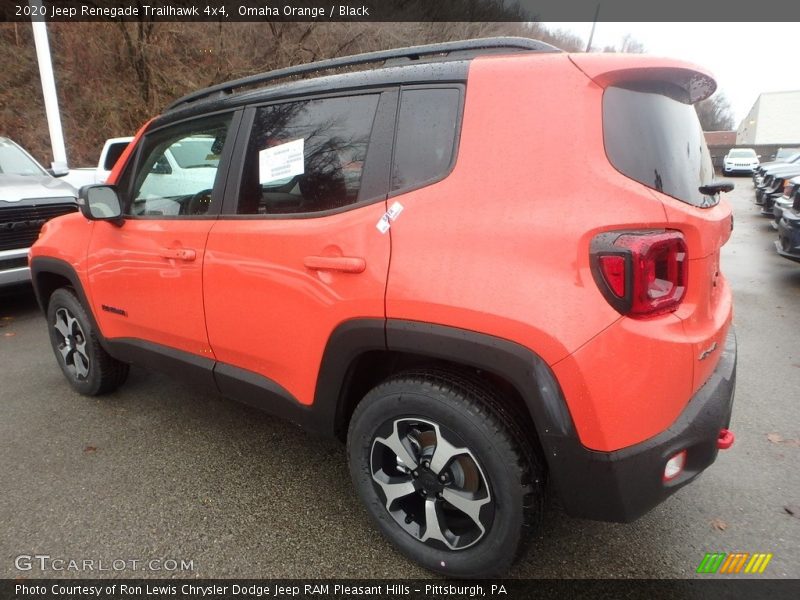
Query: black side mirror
[[101, 203], [58, 171]]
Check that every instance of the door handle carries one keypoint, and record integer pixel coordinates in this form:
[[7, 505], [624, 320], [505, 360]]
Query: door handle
[[187, 254], [345, 264]]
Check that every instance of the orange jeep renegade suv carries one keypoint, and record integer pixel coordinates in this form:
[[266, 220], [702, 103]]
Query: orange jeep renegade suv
[[401, 257]]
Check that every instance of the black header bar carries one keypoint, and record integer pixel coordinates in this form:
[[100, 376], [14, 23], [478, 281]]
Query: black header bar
[[404, 10]]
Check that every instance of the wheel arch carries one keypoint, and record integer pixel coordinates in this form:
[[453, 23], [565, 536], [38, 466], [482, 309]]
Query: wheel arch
[[363, 352], [48, 274]]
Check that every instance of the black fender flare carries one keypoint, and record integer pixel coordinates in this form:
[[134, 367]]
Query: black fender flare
[[522, 368], [41, 265]]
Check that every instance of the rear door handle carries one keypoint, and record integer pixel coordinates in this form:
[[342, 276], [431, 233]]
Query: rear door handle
[[187, 254], [344, 264]]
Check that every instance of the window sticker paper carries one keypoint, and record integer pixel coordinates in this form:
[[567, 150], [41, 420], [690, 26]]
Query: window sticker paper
[[281, 161]]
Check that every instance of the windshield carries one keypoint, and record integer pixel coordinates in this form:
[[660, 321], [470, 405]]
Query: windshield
[[786, 153], [195, 152], [652, 134], [13, 161], [743, 153]]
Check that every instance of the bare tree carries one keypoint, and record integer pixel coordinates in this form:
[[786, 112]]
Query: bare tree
[[629, 45], [715, 113]]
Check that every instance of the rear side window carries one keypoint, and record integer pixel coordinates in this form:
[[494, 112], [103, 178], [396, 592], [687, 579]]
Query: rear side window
[[306, 156], [652, 135], [426, 136]]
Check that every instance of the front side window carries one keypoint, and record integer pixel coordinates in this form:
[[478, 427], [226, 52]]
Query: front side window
[[178, 168], [306, 156]]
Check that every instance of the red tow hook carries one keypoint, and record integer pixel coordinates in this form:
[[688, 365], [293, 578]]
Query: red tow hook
[[725, 439]]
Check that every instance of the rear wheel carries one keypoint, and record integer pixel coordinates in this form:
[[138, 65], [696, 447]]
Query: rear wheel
[[445, 472], [89, 369]]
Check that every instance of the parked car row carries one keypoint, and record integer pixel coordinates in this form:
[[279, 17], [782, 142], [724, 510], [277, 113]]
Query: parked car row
[[777, 192]]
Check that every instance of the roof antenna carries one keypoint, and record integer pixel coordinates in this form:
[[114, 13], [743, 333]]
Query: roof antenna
[[594, 23]]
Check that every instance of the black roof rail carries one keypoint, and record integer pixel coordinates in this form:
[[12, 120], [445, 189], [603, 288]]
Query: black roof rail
[[474, 46]]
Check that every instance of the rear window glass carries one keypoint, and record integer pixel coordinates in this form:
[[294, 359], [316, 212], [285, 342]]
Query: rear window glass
[[196, 152], [115, 150], [652, 134], [426, 136]]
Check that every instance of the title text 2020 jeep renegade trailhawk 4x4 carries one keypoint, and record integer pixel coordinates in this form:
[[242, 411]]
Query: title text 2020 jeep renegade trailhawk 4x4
[[400, 257]]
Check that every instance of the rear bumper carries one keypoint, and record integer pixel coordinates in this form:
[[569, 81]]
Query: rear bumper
[[625, 484]]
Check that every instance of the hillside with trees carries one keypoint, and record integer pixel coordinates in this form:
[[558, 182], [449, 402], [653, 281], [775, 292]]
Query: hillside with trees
[[112, 76]]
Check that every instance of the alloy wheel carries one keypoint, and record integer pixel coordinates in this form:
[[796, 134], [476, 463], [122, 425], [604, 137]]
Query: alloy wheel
[[432, 484], [71, 343]]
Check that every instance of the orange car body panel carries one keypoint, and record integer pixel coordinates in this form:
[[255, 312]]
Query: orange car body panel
[[533, 284], [130, 269], [269, 313], [65, 238]]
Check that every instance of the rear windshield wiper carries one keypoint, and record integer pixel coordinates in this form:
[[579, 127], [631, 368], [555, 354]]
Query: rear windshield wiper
[[712, 189]]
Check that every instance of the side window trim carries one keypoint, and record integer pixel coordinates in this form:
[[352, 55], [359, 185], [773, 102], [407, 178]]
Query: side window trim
[[461, 87], [376, 175], [217, 193]]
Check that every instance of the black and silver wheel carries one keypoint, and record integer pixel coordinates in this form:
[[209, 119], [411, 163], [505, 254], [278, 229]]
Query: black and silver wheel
[[445, 472], [86, 365], [432, 485]]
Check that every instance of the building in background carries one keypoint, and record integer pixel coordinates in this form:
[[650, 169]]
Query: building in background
[[719, 142], [772, 123]]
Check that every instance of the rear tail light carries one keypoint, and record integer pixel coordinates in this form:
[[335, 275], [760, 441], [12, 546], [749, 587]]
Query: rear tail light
[[641, 273]]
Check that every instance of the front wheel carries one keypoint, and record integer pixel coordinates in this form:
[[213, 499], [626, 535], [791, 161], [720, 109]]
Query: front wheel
[[89, 369], [445, 472]]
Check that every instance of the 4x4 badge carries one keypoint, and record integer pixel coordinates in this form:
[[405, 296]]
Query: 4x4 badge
[[385, 222]]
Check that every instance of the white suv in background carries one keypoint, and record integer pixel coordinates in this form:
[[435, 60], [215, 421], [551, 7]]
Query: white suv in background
[[740, 160]]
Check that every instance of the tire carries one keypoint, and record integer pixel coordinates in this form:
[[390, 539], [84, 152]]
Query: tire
[[89, 369], [492, 473]]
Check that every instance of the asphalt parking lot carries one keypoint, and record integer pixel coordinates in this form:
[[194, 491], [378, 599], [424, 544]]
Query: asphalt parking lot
[[162, 470]]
